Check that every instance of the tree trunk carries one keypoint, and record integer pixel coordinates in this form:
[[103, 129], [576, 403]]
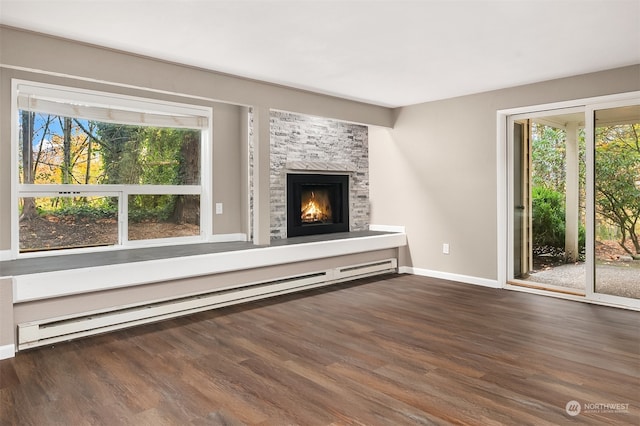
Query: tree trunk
[[66, 147], [87, 175], [636, 242], [29, 205], [187, 207]]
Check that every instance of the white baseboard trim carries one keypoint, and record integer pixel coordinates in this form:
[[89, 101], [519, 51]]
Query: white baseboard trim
[[467, 279], [227, 238], [7, 351], [5, 255], [387, 228]]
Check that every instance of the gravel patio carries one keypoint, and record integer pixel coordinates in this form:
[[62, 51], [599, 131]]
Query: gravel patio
[[619, 278]]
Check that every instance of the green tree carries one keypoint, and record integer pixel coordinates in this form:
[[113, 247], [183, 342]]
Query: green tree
[[548, 219], [187, 208], [617, 180], [548, 157], [32, 132], [172, 156], [119, 148]]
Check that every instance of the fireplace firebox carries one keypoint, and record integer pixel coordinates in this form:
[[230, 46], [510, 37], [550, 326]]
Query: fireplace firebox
[[317, 204]]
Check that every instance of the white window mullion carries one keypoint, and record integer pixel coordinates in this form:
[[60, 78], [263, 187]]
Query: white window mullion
[[163, 189], [15, 219], [123, 217], [110, 189], [206, 183], [590, 218], [69, 188]]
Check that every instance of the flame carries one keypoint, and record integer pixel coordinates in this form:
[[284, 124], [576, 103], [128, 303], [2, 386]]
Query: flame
[[315, 210]]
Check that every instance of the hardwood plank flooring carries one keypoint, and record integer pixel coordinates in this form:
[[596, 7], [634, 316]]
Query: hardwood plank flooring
[[390, 350]]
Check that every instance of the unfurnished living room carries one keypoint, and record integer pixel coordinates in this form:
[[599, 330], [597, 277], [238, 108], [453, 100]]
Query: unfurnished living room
[[264, 212]]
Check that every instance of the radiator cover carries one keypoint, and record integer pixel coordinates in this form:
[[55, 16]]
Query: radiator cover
[[44, 332]]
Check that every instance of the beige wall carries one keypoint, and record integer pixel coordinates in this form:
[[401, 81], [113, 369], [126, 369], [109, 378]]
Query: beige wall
[[6, 312], [39, 52], [435, 172], [228, 189]]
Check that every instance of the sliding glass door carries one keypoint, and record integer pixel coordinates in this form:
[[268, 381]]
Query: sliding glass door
[[574, 201], [548, 199], [616, 152]]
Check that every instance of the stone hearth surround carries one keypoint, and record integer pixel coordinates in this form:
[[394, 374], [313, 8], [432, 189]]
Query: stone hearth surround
[[306, 144]]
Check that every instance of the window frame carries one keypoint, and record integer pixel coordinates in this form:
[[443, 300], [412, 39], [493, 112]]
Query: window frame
[[129, 104]]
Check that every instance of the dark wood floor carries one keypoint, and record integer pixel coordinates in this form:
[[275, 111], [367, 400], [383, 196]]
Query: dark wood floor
[[386, 351]]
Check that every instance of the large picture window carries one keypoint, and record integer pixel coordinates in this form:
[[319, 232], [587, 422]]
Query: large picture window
[[97, 169]]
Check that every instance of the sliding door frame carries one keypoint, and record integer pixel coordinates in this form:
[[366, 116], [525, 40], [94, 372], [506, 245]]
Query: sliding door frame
[[591, 217], [504, 121]]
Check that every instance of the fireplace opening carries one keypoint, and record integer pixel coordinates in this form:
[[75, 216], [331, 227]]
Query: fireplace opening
[[317, 204]]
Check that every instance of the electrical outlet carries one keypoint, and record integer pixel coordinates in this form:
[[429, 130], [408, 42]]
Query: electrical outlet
[[445, 248], [218, 208]]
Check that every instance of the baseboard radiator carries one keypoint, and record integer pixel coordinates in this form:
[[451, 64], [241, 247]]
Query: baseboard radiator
[[46, 332]]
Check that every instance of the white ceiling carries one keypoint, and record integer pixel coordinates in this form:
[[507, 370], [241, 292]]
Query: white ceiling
[[385, 52]]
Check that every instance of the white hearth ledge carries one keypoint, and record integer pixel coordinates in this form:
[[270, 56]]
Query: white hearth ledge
[[387, 228], [67, 282], [7, 351]]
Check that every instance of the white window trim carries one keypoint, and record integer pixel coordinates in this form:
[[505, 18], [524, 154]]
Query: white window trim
[[95, 105], [160, 113]]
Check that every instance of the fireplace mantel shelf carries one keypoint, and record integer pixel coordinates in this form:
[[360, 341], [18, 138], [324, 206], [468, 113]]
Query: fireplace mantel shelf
[[320, 166]]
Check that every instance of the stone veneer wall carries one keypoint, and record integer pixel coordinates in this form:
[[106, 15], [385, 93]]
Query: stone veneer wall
[[305, 144]]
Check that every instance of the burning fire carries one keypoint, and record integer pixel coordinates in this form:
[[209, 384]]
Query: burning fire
[[315, 209]]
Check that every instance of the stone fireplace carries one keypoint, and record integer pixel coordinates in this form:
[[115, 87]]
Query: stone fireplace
[[311, 146]]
